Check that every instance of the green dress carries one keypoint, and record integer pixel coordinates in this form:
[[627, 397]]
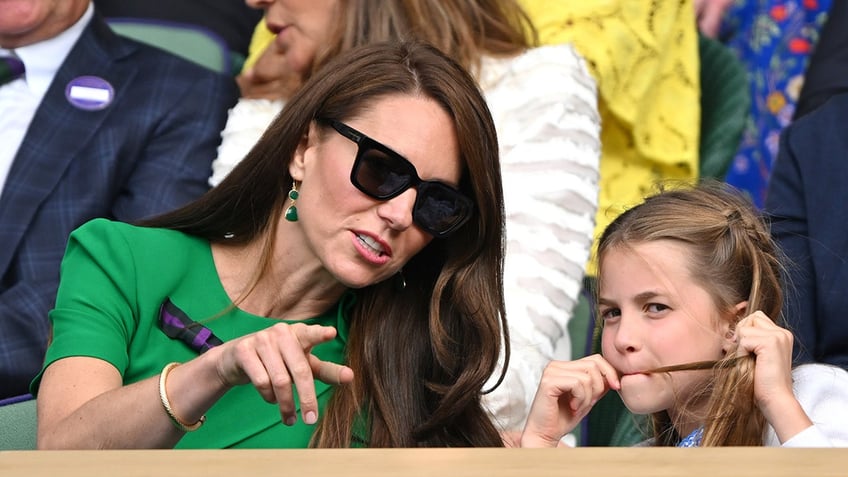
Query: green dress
[[115, 278]]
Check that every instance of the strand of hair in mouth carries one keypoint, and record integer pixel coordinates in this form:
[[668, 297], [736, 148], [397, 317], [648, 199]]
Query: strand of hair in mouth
[[697, 365]]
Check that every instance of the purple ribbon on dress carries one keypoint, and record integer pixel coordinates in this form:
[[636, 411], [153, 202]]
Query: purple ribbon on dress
[[177, 325]]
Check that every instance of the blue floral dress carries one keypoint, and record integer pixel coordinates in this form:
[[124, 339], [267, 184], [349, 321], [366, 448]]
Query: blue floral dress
[[773, 38]]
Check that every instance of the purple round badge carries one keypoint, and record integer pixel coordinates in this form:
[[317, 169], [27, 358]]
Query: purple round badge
[[89, 92]]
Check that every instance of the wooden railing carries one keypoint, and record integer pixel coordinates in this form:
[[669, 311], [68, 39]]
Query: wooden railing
[[582, 462]]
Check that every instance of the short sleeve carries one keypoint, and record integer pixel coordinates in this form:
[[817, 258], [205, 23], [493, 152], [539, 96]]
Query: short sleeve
[[95, 311]]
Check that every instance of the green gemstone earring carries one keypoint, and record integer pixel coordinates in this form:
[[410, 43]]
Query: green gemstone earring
[[291, 212]]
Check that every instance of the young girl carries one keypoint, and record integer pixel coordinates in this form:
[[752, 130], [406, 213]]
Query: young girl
[[690, 293]]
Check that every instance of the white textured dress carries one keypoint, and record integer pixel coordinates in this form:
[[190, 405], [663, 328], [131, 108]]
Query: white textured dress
[[544, 105]]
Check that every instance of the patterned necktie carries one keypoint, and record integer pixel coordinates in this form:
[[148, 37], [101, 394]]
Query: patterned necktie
[[11, 68]]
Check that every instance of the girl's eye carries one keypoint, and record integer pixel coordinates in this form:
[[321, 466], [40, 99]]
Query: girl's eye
[[655, 308], [609, 313]]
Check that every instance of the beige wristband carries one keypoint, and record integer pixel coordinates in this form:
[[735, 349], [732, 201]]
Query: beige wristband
[[163, 396]]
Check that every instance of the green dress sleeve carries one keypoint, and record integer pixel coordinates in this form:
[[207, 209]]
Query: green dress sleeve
[[94, 313]]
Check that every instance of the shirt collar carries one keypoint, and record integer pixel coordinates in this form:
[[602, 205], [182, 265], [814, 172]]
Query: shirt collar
[[43, 59], [693, 439]]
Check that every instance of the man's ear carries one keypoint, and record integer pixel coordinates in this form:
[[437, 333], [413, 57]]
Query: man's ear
[[297, 167]]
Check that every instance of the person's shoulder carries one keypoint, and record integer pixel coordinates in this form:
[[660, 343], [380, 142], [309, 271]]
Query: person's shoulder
[[103, 229], [819, 369], [541, 71], [147, 250], [547, 59], [819, 376], [154, 60], [101, 226], [560, 53], [157, 60], [832, 111], [822, 391]]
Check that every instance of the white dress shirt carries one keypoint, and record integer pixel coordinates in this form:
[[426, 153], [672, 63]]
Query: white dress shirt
[[20, 98]]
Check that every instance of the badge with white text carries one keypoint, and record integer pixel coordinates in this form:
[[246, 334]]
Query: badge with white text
[[90, 93]]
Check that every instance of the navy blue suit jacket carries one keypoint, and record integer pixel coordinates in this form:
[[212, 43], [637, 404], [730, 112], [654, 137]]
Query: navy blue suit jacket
[[808, 204], [149, 151], [827, 71]]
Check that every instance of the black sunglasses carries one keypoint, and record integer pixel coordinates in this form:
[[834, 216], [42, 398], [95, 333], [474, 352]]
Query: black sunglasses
[[382, 174]]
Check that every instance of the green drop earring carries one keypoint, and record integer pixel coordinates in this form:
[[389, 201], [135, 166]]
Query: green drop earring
[[291, 212]]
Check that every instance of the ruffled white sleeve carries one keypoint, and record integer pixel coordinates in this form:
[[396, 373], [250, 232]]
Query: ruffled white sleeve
[[246, 122], [544, 104], [822, 391]]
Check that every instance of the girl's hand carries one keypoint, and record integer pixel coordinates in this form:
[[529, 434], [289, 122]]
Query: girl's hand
[[278, 359], [757, 334], [567, 392]]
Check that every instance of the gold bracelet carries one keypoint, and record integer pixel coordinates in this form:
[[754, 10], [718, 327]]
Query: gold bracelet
[[163, 396]]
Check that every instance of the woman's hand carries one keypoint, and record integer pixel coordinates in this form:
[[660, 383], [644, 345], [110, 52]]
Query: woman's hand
[[757, 334], [278, 359], [709, 14], [270, 77], [566, 394]]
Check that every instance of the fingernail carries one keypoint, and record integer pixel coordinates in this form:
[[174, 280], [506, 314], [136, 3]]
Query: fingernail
[[291, 420], [310, 418]]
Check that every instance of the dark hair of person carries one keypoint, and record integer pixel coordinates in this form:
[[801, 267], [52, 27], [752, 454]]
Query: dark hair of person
[[421, 355], [731, 255]]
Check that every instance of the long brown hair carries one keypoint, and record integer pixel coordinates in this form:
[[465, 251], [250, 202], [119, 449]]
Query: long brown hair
[[463, 29], [421, 355], [733, 256]]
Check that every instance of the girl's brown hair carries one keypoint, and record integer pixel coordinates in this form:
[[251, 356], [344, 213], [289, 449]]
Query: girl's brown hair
[[733, 256], [421, 355]]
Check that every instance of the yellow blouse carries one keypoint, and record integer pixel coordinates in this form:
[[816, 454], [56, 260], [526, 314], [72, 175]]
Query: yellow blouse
[[644, 57], [262, 37]]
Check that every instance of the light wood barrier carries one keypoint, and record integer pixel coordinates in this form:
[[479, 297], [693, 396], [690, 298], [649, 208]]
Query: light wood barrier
[[582, 462]]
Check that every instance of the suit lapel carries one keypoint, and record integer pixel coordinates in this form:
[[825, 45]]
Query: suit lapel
[[59, 131]]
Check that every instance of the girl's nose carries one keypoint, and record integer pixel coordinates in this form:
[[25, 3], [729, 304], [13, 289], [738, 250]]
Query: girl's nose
[[627, 334]]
